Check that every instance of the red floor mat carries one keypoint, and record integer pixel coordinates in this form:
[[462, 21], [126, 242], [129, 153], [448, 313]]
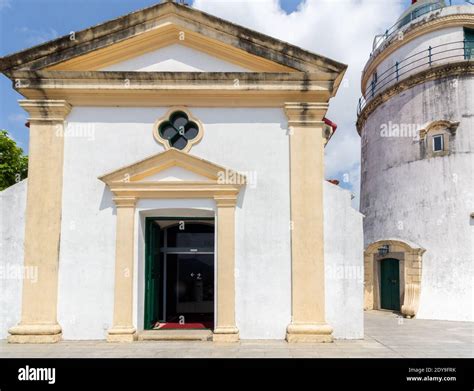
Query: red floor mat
[[173, 325]]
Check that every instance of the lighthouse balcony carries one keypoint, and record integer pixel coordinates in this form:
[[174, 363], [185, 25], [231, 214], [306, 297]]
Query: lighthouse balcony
[[432, 58]]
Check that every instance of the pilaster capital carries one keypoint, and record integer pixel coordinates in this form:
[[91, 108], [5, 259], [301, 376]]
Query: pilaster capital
[[125, 202], [301, 114], [226, 201], [46, 110]]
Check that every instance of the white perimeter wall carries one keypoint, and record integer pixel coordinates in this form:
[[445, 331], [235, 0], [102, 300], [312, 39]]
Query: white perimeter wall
[[12, 227], [344, 265]]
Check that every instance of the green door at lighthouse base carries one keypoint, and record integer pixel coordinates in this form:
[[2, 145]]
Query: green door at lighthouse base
[[390, 284]]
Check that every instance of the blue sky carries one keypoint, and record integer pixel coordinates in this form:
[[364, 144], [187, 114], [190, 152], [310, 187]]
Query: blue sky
[[21, 27], [346, 38]]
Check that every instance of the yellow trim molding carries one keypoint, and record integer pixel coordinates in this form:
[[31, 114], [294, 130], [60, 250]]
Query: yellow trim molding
[[38, 322], [123, 329], [167, 32], [128, 184], [164, 24], [308, 320], [437, 125], [151, 89], [166, 117], [411, 260]]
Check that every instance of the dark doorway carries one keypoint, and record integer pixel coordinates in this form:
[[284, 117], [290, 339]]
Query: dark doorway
[[390, 284], [179, 273]]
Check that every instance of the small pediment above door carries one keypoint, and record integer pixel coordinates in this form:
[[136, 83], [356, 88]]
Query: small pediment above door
[[171, 166], [175, 174]]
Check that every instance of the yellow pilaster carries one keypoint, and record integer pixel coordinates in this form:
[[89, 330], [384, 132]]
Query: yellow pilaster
[[307, 140], [226, 329], [38, 322], [123, 329]]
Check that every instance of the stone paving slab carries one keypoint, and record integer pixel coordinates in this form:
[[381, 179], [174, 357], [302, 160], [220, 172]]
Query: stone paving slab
[[386, 336]]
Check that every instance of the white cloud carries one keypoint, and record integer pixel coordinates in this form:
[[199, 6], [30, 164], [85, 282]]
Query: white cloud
[[5, 4], [339, 29]]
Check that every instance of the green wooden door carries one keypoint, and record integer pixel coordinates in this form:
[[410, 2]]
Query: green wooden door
[[153, 270], [390, 284]]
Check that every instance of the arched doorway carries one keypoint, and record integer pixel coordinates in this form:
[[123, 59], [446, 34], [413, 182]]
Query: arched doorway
[[390, 284], [179, 273], [384, 260]]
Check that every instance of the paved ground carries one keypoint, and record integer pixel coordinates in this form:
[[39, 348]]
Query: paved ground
[[386, 336]]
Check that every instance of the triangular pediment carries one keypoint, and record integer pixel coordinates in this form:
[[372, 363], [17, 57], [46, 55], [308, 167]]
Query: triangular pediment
[[175, 174], [164, 25], [171, 166], [175, 58]]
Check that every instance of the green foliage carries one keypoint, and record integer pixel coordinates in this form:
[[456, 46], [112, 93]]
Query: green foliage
[[13, 164]]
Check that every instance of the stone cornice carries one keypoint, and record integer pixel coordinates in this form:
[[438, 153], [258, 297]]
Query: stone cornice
[[452, 127], [142, 21], [125, 202], [173, 189], [301, 114], [434, 73], [226, 201], [46, 110], [174, 88], [413, 31], [43, 79]]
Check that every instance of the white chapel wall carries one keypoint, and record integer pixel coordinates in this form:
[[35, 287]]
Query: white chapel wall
[[263, 261], [251, 140]]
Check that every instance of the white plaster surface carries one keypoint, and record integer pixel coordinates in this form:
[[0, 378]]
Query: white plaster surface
[[427, 201], [123, 136], [12, 215], [344, 265], [234, 139], [175, 58]]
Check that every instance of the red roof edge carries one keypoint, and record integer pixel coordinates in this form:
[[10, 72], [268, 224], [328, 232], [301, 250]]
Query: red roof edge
[[328, 122]]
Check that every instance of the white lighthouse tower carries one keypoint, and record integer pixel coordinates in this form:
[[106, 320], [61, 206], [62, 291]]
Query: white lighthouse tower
[[416, 122]]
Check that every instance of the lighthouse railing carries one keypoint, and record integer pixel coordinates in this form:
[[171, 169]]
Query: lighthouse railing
[[432, 56], [393, 30]]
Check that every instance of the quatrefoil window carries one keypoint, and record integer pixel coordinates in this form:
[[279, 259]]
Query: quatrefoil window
[[178, 130]]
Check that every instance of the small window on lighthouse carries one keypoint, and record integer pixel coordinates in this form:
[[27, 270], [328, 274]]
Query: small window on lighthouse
[[438, 143]]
